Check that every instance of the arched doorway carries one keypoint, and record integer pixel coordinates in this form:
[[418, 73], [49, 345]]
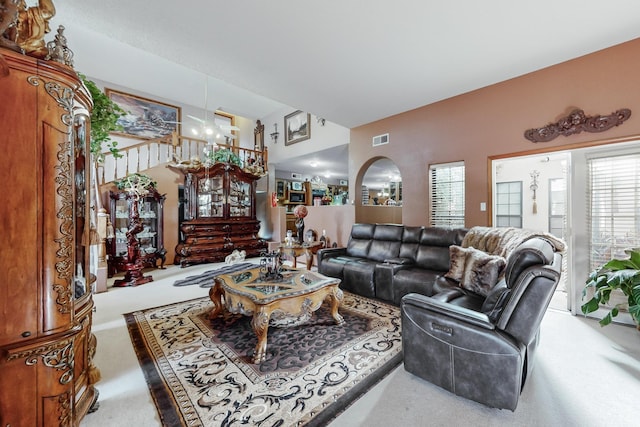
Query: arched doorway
[[380, 198]]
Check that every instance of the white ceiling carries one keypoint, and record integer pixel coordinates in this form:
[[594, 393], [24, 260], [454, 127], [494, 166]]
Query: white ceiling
[[351, 62], [354, 62]]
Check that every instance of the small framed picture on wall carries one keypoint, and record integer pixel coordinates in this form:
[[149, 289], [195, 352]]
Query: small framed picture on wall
[[297, 127]]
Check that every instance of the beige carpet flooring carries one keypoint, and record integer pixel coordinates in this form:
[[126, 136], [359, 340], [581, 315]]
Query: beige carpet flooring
[[584, 375]]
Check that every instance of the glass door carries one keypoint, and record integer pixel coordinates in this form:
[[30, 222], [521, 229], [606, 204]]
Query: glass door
[[82, 202], [239, 197], [211, 197]]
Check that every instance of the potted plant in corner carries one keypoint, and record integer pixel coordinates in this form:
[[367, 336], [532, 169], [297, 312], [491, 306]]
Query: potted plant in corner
[[617, 274]]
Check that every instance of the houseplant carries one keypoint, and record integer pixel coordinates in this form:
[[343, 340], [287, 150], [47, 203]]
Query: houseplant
[[224, 155], [617, 274], [104, 118], [138, 183]]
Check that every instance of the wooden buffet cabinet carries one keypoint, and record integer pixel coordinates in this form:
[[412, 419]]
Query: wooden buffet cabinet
[[46, 346], [220, 214]]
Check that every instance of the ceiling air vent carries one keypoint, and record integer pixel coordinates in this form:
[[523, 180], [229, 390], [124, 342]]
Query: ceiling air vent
[[380, 140]]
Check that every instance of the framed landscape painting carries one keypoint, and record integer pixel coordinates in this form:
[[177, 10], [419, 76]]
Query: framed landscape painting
[[145, 118], [297, 127]]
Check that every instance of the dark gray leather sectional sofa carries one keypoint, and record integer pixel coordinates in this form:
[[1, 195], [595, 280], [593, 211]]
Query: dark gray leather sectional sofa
[[388, 261], [479, 346]]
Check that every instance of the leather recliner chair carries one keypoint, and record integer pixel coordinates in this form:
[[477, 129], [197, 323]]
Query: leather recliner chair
[[482, 348]]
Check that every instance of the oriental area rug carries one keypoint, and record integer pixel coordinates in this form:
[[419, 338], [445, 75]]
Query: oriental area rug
[[199, 371]]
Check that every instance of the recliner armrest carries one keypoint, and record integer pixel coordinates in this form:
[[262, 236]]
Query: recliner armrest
[[448, 294], [443, 308]]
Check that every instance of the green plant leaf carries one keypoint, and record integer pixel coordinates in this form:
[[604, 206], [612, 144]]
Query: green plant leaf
[[635, 294], [104, 118], [224, 155], [635, 313], [616, 275], [606, 320], [590, 306], [634, 257]]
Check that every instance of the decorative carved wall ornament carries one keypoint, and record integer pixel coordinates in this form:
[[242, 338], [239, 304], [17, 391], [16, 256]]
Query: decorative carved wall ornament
[[576, 122]]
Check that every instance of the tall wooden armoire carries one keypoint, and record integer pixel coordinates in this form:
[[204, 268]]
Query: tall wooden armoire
[[46, 345]]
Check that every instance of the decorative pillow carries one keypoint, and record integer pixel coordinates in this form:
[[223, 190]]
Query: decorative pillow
[[457, 259], [476, 271]]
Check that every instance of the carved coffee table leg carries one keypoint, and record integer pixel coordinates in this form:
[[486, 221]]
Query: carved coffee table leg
[[215, 293], [336, 299], [260, 324], [309, 256]]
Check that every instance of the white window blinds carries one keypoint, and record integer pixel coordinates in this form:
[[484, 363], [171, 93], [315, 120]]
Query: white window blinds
[[613, 207], [447, 194]]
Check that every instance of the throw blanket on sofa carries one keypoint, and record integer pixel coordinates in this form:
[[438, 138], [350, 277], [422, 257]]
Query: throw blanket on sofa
[[501, 241]]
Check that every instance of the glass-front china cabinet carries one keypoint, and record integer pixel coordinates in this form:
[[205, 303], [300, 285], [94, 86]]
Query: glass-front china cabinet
[[220, 214], [150, 239]]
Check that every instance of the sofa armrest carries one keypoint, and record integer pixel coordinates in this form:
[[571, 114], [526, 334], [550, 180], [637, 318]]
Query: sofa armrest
[[325, 253], [331, 252], [444, 309], [383, 279]]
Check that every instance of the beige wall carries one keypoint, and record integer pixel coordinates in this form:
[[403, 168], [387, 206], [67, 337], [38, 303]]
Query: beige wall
[[490, 122], [379, 214], [336, 220]]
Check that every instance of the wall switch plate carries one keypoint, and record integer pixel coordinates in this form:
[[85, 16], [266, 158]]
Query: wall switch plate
[[483, 206]]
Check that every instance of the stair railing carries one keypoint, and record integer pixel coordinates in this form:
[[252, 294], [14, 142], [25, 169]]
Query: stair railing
[[171, 148]]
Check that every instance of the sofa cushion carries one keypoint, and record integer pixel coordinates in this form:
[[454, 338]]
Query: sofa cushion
[[433, 257], [358, 248], [413, 280], [360, 240], [358, 276], [495, 301], [333, 267], [476, 271], [433, 250], [410, 242], [437, 236], [386, 242]]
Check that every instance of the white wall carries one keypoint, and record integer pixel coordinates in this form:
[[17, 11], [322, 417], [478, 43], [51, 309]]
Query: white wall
[[322, 137], [107, 59]]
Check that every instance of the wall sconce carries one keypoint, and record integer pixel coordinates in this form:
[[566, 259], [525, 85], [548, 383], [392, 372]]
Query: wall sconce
[[274, 134], [321, 121]]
